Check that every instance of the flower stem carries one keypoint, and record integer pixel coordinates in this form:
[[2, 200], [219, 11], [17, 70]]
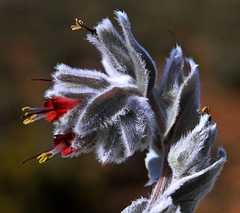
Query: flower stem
[[159, 117], [161, 185]]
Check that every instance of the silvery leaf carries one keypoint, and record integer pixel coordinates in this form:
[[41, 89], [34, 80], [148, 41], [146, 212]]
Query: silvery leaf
[[135, 127], [108, 147], [137, 206], [180, 96], [192, 152], [163, 205], [84, 145], [142, 62], [112, 47], [189, 190], [104, 110], [154, 162], [123, 55], [129, 133], [80, 78], [172, 76]]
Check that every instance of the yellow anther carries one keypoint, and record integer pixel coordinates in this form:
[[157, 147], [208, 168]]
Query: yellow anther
[[44, 157], [26, 108], [79, 24], [33, 116], [26, 114], [205, 110], [29, 120]]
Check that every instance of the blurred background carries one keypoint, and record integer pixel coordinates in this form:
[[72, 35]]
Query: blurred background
[[36, 35]]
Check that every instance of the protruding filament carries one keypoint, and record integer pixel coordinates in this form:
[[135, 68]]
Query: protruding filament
[[52, 109], [44, 157], [30, 119]]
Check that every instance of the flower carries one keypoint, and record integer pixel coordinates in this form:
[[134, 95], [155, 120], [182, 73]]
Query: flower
[[52, 109], [108, 113], [62, 143]]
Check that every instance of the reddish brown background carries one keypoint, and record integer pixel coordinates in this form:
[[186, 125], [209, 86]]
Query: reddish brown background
[[36, 35]]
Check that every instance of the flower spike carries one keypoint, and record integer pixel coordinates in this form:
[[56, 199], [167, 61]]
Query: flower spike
[[122, 110]]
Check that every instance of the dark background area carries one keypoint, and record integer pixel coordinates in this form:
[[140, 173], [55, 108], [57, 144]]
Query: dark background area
[[36, 35]]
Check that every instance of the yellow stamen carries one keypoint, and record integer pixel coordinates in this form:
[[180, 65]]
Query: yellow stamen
[[205, 110], [78, 26], [26, 108], [29, 120], [33, 116], [44, 157]]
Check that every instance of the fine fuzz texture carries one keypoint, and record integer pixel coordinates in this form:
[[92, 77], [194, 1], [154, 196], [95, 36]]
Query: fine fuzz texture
[[112, 115], [183, 173], [121, 110]]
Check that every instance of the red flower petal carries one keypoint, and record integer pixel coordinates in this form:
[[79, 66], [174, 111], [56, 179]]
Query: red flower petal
[[52, 109], [66, 138], [51, 116], [60, 106], [65, 152]]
